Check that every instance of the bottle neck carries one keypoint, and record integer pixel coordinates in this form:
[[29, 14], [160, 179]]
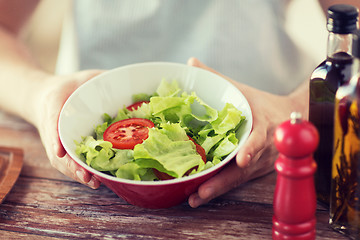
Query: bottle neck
[[355, 66], [355, 70], [339, 43]]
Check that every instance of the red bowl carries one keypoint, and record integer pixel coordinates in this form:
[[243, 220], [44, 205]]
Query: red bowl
[[165, 195], [110, 91]]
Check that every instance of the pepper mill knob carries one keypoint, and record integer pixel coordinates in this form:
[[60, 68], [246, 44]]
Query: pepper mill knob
[[296, 137], [294, 197]]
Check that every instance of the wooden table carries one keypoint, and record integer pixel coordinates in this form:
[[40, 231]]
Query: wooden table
[[44, 204]]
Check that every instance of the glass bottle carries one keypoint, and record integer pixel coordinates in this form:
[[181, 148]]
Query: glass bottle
[[345, 186], [333, 72]]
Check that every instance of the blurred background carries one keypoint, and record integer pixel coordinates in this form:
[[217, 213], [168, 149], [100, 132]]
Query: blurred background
[[306, 24]]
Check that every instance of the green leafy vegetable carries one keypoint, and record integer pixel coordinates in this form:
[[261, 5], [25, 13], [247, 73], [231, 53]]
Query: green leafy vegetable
[[169, 150], [176, 115]]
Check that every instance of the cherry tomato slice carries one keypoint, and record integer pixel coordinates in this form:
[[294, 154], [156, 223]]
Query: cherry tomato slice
[[200, 150], [127, 133], [165, 176], [136, 105], [162, 175]]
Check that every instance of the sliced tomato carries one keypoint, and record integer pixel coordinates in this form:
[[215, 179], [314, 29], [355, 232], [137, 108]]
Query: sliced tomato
[[136, 105], [127, 133], [200, 150]]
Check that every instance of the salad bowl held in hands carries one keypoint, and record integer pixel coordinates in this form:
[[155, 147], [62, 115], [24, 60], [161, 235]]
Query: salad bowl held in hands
[[133, 174]]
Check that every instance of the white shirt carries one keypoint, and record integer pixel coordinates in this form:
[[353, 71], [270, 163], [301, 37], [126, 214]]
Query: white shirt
[[243, 39]]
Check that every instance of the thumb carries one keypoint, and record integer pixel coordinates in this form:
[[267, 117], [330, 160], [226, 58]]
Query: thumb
[[197, 63], [252, 148]]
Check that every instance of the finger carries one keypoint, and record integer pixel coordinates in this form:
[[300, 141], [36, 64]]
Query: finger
[[59, 149], [230, 177], [86, 178], [70, 168], [253, 147], [197, 63], [79, 174], [76, 80], [81, 77], [86, 75], [49, 132]]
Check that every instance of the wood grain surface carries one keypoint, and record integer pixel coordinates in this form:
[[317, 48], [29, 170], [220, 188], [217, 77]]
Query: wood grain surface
[[44, 204], [11, 161]]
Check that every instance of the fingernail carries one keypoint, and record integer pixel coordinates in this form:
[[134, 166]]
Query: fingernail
[[190, 61], [194, 201], [243, 161], [91, 183], [80, 175], [208, 192], [248, 159], [59, 150]]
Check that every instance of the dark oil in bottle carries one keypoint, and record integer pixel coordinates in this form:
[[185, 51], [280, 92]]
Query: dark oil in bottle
[[324, 82]]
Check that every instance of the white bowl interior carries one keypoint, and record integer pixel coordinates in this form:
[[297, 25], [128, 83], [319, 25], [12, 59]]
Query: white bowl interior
[[112, 90]]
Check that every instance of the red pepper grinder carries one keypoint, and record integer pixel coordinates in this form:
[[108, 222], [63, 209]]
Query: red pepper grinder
[[295, 196]]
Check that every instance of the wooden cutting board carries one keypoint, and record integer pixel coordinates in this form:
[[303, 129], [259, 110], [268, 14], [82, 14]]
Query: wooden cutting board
[[11, 162]]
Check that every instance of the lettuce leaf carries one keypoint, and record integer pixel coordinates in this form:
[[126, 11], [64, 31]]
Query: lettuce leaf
[[168, 150], [168, 89], [229, 118], [133, 171], [100, 155], [176, 115]]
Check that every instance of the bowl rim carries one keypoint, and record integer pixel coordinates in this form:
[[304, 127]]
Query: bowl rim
[[161, 182]]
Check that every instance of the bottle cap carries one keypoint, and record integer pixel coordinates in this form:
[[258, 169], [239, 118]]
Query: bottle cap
[[342, 18]]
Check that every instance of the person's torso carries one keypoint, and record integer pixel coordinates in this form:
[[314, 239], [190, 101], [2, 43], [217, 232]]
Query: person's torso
[[243, 39]]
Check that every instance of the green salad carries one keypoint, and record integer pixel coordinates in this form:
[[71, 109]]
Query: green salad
[[185, 136]]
